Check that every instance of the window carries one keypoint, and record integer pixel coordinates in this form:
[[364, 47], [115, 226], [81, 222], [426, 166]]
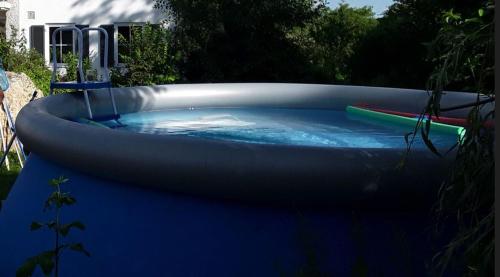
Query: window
[[110, 29], [64, 43], [31, 14], [3, 20], [126, 31], [37, 38]]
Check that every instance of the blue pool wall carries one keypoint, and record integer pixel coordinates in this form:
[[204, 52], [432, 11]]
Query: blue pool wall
[[134, 231]]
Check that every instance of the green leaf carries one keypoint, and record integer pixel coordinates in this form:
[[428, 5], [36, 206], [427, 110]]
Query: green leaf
[[480, 12], [64, 229], [78, 247], [53, 182], [51, 200], [35, 226], [27, 268], [407, 136], [469, 20], [59, 181], [67, 200], [46, 262], [427, 141], [51, 225]]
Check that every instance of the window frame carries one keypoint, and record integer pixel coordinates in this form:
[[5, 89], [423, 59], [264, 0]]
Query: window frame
[[116, 38], [49, 42]]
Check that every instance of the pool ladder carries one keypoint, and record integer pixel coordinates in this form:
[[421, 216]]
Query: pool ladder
[[82, 84]]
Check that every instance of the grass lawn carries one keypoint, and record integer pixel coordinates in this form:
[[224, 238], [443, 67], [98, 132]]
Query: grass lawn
[[7, 178]]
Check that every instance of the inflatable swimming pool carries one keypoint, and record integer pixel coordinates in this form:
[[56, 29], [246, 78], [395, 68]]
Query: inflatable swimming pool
[[230, 179]]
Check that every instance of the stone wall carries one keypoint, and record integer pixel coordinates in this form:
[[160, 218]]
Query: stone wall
[[18, 95], [12, 17]]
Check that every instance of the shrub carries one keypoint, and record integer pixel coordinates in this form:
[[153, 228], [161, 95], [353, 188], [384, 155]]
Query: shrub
[[464, 53], [17, 58], [150, 59], [71, 61]]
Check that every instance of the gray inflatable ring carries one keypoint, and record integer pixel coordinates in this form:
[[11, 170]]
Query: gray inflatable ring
[[235, 170]]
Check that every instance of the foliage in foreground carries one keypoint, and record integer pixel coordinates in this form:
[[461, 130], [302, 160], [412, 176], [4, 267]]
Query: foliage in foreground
[[464, 56], [17, 58], [48, 261]]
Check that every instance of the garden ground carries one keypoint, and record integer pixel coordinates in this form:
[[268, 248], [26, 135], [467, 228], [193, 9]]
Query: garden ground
[[7, 178]]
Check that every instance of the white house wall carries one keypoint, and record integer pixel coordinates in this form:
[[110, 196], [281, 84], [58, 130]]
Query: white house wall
[[84, 12], [12, 17]]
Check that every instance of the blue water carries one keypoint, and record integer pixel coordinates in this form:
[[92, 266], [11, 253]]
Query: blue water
[[306, 127]]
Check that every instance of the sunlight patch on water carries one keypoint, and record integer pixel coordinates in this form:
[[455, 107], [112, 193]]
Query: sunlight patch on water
[[304, 127]]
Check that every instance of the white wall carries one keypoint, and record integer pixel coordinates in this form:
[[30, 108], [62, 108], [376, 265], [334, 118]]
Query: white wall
[[85, 12], [12, 17]]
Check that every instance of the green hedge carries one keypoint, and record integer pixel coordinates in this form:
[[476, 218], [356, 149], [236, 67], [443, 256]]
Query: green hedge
[[17, 58]]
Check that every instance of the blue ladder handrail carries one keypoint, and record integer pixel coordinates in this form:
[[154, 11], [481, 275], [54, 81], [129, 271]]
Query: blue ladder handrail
[[54, 51], [82, 84]]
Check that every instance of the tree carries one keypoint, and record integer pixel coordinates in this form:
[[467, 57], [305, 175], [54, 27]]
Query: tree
[[395, 53], [331, 40], [230, 41]]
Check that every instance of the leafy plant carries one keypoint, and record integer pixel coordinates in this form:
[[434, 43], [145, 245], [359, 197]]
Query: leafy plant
[[463, 53], [49, 260], [17, 58], [150, 59], [71, 61]]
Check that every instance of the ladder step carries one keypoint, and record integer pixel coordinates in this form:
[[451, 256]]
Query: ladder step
[[106, 117], [90, 122]]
